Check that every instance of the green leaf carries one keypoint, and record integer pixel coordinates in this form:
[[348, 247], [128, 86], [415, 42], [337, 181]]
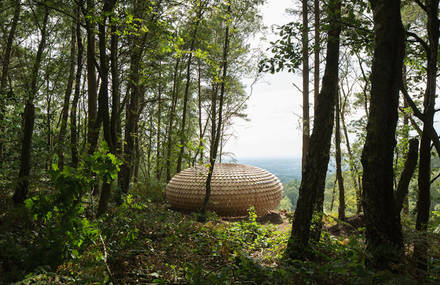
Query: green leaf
[[29, 203]]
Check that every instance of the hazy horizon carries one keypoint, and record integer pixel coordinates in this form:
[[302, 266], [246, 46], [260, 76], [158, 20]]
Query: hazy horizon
[[285, 168]]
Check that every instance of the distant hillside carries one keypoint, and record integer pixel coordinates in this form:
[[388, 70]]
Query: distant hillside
[[285, 169]]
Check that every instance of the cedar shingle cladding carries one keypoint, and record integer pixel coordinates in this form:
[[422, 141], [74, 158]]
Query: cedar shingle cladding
[[235, 188]]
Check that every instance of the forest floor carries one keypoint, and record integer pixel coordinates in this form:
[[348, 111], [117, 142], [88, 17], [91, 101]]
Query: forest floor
[[144, 241]]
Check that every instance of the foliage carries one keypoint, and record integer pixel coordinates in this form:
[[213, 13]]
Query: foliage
[[61, 231], [290, 195], [54, 238], [146, 242], [291, 189], [286, 50]]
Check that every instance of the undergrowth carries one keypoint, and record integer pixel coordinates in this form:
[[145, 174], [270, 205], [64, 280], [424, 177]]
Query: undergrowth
[[143, 241]]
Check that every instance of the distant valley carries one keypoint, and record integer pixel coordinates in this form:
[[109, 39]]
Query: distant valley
[[285, 169]]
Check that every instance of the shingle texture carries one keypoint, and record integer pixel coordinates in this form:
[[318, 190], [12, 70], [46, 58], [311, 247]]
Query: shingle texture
[[235, 188]]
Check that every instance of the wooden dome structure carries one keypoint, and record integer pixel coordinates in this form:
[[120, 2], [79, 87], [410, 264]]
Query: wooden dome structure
[[234, 189]]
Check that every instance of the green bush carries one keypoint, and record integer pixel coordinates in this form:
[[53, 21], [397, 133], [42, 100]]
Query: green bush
[[57, 227]]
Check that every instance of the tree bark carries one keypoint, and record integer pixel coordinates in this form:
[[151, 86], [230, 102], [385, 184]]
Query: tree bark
[[5, 70], [136, 155], [383, 228], [115, 123], [313, 180], [406, 118], [159, 117], [430, 128], [365, 88], [305, 83], [199, 105], [29, 117], [174, 95], [48, 119], [316, 50], [424, 182], [92, 128], [138, 46], [340, 178], [150, 144], [353, 168], [103, 101], [217, 129], [407, 173], [65, 110], [333, 194], [8, 48], [79, 64], [186, 95]]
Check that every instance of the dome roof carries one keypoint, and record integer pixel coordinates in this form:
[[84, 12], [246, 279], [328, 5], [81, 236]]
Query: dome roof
[[234, 189]]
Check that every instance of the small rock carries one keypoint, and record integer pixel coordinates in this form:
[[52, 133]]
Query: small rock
[[271, 217]]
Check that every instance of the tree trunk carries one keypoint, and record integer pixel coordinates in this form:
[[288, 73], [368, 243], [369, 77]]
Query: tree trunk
[[25, 159], [430, 128], [313, 180], [115, 123], [202, 128], [186, 95], [48, 120], [5, 71], [306, 81], [159, 115], [383, 228], [211, 150], [407, 173], [174, 96], [150, 144], [222, 142], [341, 209], [103, 101], [137, 155], [65, 111], [8, 48], [353, 168], [217, 130], [132, 111], [184, 112], [406, 135], [199, 105], [29, 117], [333, 195], [79, 64], [316, 50], [92, 127], [365, 88], [424, 183]]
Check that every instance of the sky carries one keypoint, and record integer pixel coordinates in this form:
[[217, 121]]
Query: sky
[[274, 109]]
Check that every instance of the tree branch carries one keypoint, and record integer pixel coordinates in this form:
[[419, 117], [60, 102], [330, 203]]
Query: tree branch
[[73, 18], [411, 103], [415, 126], [407, 173], [297, 87], [434, 179], [432, 132], [420, 40], [421, 5]]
